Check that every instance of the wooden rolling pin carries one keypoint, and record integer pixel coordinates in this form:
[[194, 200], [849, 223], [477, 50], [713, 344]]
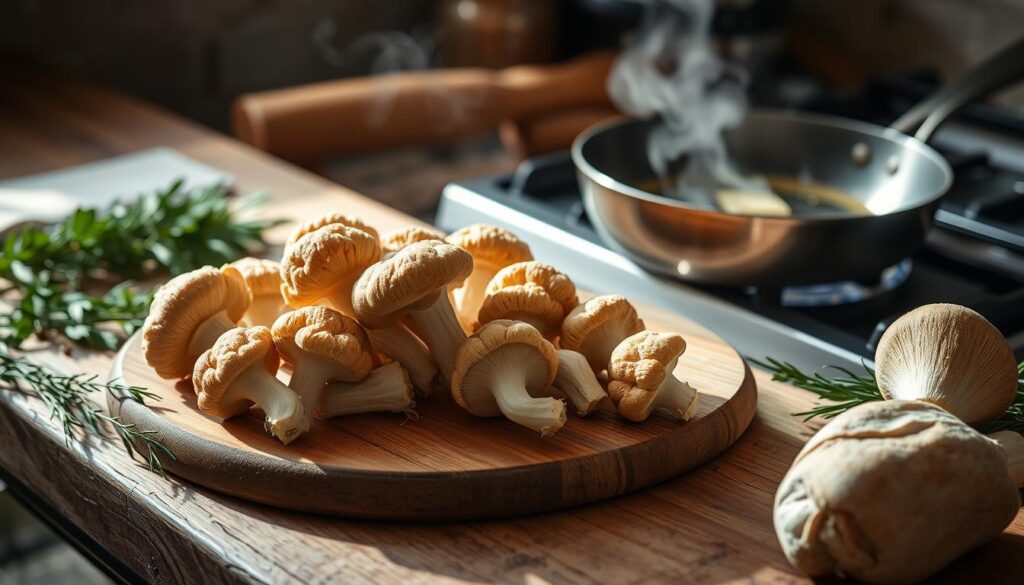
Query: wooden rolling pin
[[310, 123], [551, 132]]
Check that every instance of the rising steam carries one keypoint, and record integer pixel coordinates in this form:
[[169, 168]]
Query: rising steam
[[671, 72]]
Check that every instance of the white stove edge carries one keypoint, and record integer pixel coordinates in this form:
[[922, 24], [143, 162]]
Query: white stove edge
[[602, 271]]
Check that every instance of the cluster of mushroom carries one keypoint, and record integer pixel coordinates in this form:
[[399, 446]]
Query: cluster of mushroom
[[892, 491], [471, 312]]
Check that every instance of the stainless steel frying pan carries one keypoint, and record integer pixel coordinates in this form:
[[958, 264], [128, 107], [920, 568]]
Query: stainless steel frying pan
[[897, 177]]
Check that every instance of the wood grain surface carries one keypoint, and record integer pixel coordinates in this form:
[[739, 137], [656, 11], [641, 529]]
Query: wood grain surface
[[446, 464], [710, 526]]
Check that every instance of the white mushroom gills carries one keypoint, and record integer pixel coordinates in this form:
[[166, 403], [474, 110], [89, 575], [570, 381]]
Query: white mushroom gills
[[285, 417], [577, 381], [386, 389]]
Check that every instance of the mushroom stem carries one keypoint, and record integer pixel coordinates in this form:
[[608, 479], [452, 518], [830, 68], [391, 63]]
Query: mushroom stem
[[387, 389], [308, 381], [544, 415], [341, 299], [264, 310], [470, 295], [1013, 444], [604, 344], [398, 343], [285, 417], [577, 381], [207, 333], [676, 399], [442, 333]]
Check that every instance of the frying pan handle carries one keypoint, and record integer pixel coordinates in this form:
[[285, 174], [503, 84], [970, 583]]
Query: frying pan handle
[[1005, 67]]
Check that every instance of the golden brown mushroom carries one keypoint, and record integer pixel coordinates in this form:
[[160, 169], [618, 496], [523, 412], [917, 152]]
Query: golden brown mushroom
[[187, 316], [414, 282], [492, 248], [531, 292], [263, 278], [395, 240], [500, 369], [320, 269], [386, 389], [642, 376], [330, 218], [322, 346], [597, 326], [950, 356], [237, 372]]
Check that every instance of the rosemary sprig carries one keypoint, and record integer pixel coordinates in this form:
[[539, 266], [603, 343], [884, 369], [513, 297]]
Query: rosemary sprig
[[45, 271], [850, 389], [66, 398]]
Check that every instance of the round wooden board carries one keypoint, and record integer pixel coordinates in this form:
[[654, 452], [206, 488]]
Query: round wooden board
[[446, 464]]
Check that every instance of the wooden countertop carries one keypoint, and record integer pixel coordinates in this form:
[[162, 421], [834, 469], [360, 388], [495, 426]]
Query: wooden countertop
[[710, 526]]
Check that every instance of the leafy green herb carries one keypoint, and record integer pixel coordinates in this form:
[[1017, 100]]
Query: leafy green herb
[[46, 272], [850, 389], [67, 399]]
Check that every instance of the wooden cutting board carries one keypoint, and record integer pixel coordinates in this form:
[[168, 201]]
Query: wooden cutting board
[[446, 464]]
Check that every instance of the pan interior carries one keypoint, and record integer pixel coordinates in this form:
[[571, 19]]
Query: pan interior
[[824, 166]]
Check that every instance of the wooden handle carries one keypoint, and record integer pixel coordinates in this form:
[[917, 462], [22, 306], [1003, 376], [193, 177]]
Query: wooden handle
[[551, 132], [312, 122]]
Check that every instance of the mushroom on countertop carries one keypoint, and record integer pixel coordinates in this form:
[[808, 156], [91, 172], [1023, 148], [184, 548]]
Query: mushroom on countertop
[[597, 326], [263, 278], [187, 316], [492, 248], [414, 282], [386, 389], [499, 370], [395, 240], [532, 292], [237, 372], [330, 218], [642, 376], [320, 269], [322, 346], [950, 356], [891, 492]]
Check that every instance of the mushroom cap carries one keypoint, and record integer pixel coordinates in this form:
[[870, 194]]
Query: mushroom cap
[[262, 276], [890, 492], [319, 261], [950, 356], [502, 344], [236, 351], [593, 316], [530, 288], [326, 334], [639, 365], [410, 279], [330, 218], [180, 306], [491, 245], [395, 240]]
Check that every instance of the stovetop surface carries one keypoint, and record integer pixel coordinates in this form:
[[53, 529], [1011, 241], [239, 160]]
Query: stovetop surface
[[959, 263]]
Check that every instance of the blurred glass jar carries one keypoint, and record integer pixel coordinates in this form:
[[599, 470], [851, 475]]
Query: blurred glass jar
[[497, 33]]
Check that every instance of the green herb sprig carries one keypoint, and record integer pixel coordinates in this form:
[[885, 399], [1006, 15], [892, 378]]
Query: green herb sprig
[[46, 271], [850, 389], [66, 398]]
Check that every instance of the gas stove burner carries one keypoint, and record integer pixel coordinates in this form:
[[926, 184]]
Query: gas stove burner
[[846, 292]]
